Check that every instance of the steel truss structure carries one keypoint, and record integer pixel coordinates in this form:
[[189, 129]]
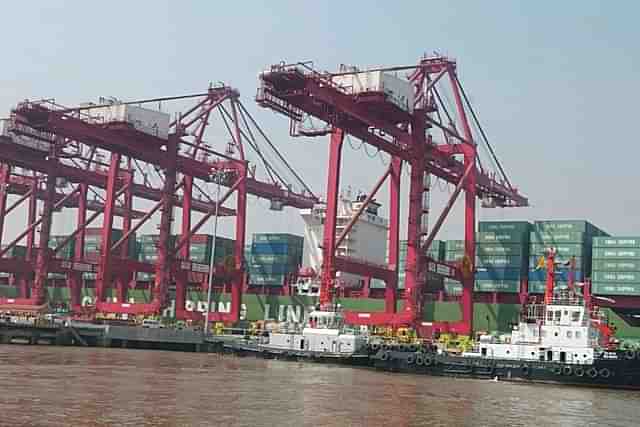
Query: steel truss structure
[[113, 160], [430, 139]]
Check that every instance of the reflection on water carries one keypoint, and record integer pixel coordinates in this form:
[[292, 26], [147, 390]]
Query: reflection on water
[[76, 386]]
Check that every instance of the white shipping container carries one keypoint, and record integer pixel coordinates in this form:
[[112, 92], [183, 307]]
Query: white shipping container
[[148, 121], [398, 90], [7, 130]]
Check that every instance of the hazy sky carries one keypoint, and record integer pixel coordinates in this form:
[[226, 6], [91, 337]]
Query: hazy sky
[[555, 83]]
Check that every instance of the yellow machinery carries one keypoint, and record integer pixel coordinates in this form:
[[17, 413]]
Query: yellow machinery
[[455, 343]]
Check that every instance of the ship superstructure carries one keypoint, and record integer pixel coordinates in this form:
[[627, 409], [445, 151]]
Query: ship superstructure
[[365, 241], [564, 331]]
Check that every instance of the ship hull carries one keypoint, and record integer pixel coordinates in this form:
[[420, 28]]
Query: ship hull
[[616, 373]]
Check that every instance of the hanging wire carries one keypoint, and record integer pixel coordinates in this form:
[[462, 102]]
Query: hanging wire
[[350, 142], [374, 154]]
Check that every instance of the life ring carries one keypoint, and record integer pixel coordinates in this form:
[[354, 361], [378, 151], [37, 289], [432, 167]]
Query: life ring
[[593, 372], [629, 354], [410, 359], [525, 370], [557, 370], [419, 360], [428, 361], [567, 370], [579, 371], [605, 373], [385, 356]]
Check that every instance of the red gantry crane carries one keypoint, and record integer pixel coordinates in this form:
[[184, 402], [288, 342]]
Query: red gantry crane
[[411, 122], [64, 147]]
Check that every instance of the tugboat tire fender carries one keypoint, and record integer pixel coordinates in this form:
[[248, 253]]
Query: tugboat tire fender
[[375, 346], [593, 372], [579, 371], [567, 370], [385, 356], [630, 354], [419, 360], [428, 361], [410, 359], [605, 373], [413, 348], [525, 369], [557, 370]]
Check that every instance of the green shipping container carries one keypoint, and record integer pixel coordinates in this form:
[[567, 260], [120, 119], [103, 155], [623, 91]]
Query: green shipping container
[[616, 265], [606, 288], [278, 238], [276, 259], [266, 279], [616, 242], [502, 249], [568, 225], [566, 250], [505, 261], [509, 286], [627, 253], [67, 252], [617, 277], [453, 287], [523, 227], [453, 255], [558, 237], [502, 237], [17, 251], [534, 259], [454, 245]]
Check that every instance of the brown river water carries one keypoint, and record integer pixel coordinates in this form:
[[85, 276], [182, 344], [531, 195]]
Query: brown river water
[[66, 386]]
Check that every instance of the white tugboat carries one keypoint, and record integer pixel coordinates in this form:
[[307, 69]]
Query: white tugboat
[[323, 336], [562, 339]]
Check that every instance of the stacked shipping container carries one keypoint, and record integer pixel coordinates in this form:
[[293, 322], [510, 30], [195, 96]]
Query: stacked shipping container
[[616, 266], [200, 250], [436, 251], [502, 253], [453, 252], [274, 257], [570, 238]]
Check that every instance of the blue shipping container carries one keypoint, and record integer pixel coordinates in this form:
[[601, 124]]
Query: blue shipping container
[[271, 248], [561, 275]]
